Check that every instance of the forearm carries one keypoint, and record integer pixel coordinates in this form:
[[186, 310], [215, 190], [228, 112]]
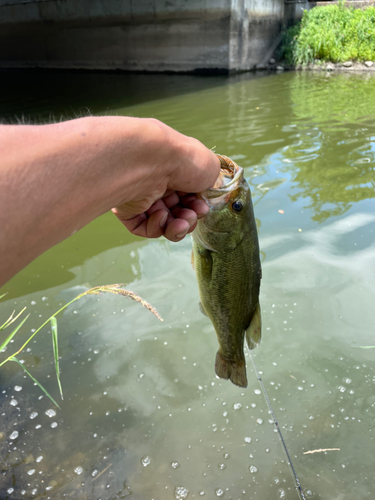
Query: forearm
[[56, 178]]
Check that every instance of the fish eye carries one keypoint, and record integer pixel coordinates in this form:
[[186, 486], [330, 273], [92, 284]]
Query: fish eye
[[237, 206]]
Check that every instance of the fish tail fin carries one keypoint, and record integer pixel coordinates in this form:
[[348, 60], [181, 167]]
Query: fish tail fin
[[254, 330], [233, 370]]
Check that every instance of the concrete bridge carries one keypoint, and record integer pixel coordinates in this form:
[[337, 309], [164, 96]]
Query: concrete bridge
[[142, 35]]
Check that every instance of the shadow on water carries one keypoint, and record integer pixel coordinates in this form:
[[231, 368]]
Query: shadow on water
[[48, 95]]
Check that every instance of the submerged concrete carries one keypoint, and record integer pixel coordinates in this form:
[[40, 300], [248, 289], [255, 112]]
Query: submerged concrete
[[140, 35]]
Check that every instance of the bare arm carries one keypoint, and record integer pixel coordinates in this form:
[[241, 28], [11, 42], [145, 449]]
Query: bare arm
[[55, 179]]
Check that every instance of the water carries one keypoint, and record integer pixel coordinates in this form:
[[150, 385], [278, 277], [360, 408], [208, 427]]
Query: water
[[143, 414]]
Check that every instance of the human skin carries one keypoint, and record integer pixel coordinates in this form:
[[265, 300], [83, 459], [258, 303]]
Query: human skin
[[56, 178]]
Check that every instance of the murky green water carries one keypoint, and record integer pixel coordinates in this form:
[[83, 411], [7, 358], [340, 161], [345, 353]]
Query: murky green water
[[144, 415]]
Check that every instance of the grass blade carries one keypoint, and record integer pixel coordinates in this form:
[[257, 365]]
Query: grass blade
[[1, 296], [11, 320], [56, 352], [37, 383], [7, 322], [9, 338], [365, 347], [115, 289]]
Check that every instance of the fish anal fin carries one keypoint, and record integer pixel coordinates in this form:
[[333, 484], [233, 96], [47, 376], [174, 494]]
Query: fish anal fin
[[254, 330], [202, 309], [233, 370]]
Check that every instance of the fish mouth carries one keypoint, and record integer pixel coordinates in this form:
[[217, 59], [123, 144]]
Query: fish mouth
[[228, 181]]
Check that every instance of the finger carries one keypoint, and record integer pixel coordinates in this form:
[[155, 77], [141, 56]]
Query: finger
[[187, 198], [156, 223], [132, 223], [146, 227], [158, 205], [184, 213], [171, 200], [200, 170], [168, 192], [176, 230], [200, 207]]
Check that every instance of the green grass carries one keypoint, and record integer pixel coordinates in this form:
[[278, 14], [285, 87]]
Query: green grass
[[334, 33], [115, 289]]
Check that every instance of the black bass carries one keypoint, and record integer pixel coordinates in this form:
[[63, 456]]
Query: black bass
[[227, 265]]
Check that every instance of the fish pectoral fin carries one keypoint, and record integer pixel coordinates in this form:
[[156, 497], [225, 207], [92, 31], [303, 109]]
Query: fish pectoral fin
[[192, 260], [253, 331], [202, 309], [205, 261], [233, 370]]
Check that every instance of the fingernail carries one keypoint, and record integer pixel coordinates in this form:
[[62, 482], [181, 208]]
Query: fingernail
[[192, 221], [163, 220], [183, 233]]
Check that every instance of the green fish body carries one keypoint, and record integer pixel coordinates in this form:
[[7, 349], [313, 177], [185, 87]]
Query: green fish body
[[227, 265]]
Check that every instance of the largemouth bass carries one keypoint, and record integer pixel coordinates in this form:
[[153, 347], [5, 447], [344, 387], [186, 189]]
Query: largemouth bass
[[227, 265]]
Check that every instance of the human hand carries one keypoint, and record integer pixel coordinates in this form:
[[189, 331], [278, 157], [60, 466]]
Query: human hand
[[174, 216], [159, 208]]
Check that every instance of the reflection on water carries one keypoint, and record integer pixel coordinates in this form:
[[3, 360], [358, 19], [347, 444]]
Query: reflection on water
[[333, 162], [144, 415]]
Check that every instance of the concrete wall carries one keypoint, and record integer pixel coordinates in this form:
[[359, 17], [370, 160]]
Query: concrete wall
[[140, 35]]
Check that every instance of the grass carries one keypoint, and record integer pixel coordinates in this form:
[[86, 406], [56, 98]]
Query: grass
[[115, 289], [334, 33]]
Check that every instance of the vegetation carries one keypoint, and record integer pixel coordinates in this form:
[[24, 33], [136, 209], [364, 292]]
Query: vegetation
[[334, 33], [116, 289]]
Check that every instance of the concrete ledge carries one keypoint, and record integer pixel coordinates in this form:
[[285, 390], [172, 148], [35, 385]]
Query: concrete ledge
[[337, 67], [360, 4]]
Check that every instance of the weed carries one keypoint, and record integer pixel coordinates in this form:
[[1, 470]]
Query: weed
[[333, 33], [116, 289]]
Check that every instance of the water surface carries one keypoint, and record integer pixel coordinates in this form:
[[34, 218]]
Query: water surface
[[144, 415]]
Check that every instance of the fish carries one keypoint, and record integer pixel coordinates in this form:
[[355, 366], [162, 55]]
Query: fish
[[226, 261]]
